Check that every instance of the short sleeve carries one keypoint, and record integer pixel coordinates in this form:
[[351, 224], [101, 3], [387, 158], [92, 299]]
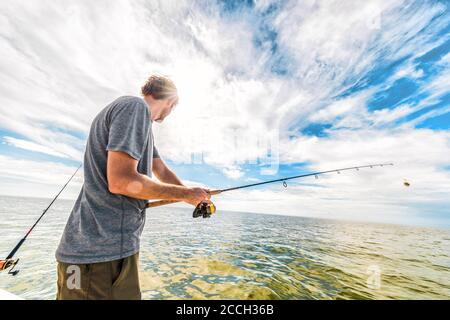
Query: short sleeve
[[155, 152], [129, 129]]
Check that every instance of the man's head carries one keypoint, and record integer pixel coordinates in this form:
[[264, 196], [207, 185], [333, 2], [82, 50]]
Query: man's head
[[161, 95]]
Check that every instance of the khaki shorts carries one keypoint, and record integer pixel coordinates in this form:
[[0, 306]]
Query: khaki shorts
[[112, 280]]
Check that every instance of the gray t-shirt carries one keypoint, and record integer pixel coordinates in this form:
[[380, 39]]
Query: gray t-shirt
[[104, 226]]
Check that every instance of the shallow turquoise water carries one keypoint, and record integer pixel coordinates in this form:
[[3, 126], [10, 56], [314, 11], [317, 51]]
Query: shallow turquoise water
[[246, 256]]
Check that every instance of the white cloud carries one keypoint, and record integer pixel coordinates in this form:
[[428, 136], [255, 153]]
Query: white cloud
[[74, 58], [27, 145], [62, 62], [349, 105], [437, 89], [385, 116], [408, 71], [39, 179]]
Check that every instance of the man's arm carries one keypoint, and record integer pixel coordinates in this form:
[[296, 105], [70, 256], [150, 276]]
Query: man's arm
[[124, 179], [163, 172]]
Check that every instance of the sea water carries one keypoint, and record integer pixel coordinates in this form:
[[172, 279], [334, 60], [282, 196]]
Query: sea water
[[238, 255]]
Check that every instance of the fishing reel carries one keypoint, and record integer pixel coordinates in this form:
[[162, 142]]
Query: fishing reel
[[9, 264], [204, 210]]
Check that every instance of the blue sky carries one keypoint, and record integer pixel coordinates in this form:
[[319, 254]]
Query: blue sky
[[268, 89]]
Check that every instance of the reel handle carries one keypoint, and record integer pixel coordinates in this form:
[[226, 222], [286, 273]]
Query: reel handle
[[9, 264]]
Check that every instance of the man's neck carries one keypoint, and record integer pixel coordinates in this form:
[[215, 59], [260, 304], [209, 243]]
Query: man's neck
[[148, 101]]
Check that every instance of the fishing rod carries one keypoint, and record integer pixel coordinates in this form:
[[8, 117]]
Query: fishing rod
[[205, 210], [9, 262]]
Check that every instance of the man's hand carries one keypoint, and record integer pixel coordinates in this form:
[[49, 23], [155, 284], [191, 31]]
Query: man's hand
[[195, 196]]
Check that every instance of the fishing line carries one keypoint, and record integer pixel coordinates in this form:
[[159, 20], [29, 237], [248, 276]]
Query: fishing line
[[206, 209]]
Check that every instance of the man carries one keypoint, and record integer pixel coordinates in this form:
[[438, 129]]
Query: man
[[99, 249]]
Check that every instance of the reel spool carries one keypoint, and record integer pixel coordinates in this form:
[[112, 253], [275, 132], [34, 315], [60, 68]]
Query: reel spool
[[204, 210]]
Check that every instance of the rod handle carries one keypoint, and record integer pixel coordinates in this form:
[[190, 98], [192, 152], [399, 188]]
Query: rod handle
[[159, 203]]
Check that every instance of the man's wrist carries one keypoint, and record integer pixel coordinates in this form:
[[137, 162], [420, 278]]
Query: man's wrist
[[182, 192]]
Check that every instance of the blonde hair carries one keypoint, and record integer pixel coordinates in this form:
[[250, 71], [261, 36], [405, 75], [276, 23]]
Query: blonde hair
[[160, 88]]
